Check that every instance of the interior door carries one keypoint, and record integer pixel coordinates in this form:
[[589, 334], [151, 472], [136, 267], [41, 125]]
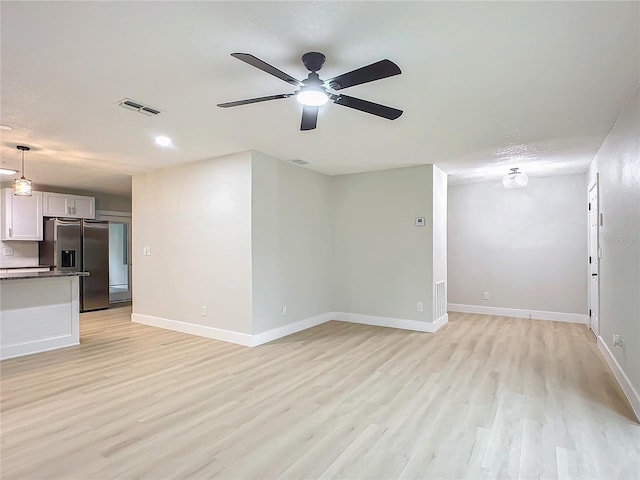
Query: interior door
[[594, 285]]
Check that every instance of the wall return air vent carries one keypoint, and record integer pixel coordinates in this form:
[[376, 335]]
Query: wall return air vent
[[138, 107]]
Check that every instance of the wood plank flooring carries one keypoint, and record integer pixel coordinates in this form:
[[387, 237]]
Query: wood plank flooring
[[483, 398]]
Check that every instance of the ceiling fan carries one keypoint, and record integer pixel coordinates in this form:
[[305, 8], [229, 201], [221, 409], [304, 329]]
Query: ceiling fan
[[314, 92]]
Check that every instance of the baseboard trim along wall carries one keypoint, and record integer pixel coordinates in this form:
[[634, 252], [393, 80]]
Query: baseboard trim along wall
[[275, 333], [401, 323], [621, 377], [294, 327], [38, 346], [518, 313], [194, 329]]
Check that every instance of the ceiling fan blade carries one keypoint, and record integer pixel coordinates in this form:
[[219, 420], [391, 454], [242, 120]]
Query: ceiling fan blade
[[265, 67], [255, 100], [309, 118], [375, 71], [367, 107]]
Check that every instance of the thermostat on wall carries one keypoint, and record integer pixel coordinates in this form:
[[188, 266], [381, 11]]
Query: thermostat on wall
[[419, 221]]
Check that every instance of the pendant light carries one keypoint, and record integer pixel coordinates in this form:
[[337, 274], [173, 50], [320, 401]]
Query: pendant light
[[515, 179], [22, 186]]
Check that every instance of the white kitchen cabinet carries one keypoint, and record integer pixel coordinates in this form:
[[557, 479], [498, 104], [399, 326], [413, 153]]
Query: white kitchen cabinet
[[54, 204], [71, 206], [83, 207], [21, 216]]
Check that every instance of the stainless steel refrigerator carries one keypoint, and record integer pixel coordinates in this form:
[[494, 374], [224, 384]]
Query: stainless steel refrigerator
[[82, 246]]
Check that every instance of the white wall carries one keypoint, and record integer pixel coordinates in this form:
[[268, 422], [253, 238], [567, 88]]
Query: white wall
[[527, 247], [196, 218], [383, 262], [618, 165], [291, 239], [248, 234]]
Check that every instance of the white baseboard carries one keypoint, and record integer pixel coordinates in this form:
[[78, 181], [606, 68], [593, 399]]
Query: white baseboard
[[621, 377], [275, 333], [519, 313], [279, 332], [401, 323], [440, 322], [194, 329], [38, 346]]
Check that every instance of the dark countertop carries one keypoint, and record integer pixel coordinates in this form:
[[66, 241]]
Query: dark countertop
[[23, 276], [29, 266]]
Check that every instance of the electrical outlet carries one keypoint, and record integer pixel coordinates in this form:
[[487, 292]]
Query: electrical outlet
[[420, 307], [485, 295], [618, 341], [284, 310], [7, 252], [203, 312]]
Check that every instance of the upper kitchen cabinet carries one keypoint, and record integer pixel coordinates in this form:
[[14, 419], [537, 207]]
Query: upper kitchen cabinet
[[21, 216], [71, 206]]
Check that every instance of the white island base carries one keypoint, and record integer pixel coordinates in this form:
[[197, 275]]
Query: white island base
[[38, 314]]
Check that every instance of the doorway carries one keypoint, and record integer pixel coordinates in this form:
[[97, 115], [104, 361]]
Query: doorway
[[119, 255], [594, 258], [119, 290]]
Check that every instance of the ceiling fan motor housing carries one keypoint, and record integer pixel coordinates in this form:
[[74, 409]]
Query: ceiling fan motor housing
[[313, 61], [313, 80]]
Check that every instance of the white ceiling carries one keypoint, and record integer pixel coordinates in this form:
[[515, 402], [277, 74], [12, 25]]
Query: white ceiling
[[484, 86]]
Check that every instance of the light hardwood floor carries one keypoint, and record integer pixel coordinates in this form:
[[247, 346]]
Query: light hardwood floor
[[485, 397]]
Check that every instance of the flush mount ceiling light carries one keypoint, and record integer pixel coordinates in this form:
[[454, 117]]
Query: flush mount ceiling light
[[163, 141], [7, 171], [515, 179], [22, 186], [5, 127]]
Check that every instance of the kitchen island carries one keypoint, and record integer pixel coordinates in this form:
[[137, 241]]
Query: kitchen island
[[39, 311]]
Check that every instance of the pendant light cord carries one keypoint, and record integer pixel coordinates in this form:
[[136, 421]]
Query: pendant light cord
[[23, 149]]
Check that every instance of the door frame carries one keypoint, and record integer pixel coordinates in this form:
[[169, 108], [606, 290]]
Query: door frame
[[120, 217], [593, 185]]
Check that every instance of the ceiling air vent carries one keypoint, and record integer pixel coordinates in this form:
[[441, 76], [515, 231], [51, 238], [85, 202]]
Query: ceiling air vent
[[138, 107], [299, 162]]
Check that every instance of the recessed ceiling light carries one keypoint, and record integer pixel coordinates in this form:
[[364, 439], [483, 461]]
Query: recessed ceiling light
[[7, 171], [5, 127], [163, 141]]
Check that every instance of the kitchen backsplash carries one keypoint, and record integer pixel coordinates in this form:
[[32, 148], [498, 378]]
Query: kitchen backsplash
[[18, 254]]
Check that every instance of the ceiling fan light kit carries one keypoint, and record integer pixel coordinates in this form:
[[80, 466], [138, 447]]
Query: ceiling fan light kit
[[313, 92], [22, 186], [515, 179], [312, 97]]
